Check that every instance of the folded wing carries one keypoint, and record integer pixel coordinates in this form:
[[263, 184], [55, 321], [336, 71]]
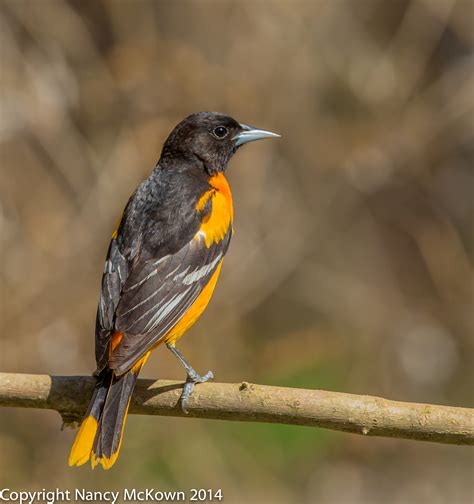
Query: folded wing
[[157, 294]]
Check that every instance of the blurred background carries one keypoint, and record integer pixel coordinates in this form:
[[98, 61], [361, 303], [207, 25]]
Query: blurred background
[[351, 264]]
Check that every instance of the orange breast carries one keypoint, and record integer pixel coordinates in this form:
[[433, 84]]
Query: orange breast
[[216, 224]]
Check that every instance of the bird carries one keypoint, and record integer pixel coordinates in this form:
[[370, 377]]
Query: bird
[[162, 264]]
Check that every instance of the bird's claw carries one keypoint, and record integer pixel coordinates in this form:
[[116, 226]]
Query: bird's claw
[[188, 388]]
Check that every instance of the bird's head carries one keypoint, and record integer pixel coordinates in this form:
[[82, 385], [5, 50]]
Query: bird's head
[[212, 138]]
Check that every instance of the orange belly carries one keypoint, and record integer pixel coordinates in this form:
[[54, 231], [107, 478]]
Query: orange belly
[[195, 310]]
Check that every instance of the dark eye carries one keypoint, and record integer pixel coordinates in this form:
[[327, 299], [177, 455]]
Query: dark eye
[[220, 132]]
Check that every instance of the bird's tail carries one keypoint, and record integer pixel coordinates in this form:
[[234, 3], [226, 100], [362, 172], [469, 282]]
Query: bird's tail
[[100, 435]]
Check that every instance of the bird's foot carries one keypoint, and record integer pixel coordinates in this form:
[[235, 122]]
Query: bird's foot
[[188, 388]]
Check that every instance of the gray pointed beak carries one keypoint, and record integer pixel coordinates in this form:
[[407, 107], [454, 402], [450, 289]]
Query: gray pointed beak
[[250, 134]]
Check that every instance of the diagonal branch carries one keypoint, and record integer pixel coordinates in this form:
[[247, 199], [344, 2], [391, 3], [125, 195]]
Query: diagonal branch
[[374, 416]]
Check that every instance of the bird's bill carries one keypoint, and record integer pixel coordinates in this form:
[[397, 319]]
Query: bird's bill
[[250, 134]]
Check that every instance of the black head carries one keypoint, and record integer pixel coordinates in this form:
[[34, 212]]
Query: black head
[[210, 137]]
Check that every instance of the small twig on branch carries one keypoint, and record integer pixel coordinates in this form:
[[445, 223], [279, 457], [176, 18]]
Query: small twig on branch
[[374, 416]]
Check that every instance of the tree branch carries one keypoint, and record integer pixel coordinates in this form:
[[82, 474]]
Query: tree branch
[[374, 416]]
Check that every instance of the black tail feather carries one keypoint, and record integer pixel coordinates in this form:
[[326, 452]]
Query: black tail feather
[[112, 421]]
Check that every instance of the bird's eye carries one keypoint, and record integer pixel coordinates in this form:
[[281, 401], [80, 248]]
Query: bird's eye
[[220, 132]]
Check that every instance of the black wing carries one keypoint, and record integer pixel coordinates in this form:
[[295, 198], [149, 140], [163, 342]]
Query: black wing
[[158, 293], [114, 277]]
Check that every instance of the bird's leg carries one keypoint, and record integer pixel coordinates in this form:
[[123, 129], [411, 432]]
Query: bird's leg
[[192, 377]]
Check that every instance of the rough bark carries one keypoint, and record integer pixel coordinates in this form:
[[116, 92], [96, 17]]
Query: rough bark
[[366, 415]]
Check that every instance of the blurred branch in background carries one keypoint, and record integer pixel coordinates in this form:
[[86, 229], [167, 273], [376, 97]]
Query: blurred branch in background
[[365, 415]]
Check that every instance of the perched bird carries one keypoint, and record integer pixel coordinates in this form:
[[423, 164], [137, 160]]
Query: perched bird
[[161, 269]]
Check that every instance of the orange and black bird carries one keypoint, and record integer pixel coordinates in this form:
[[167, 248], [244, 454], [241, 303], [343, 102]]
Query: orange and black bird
[[161, 268]]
